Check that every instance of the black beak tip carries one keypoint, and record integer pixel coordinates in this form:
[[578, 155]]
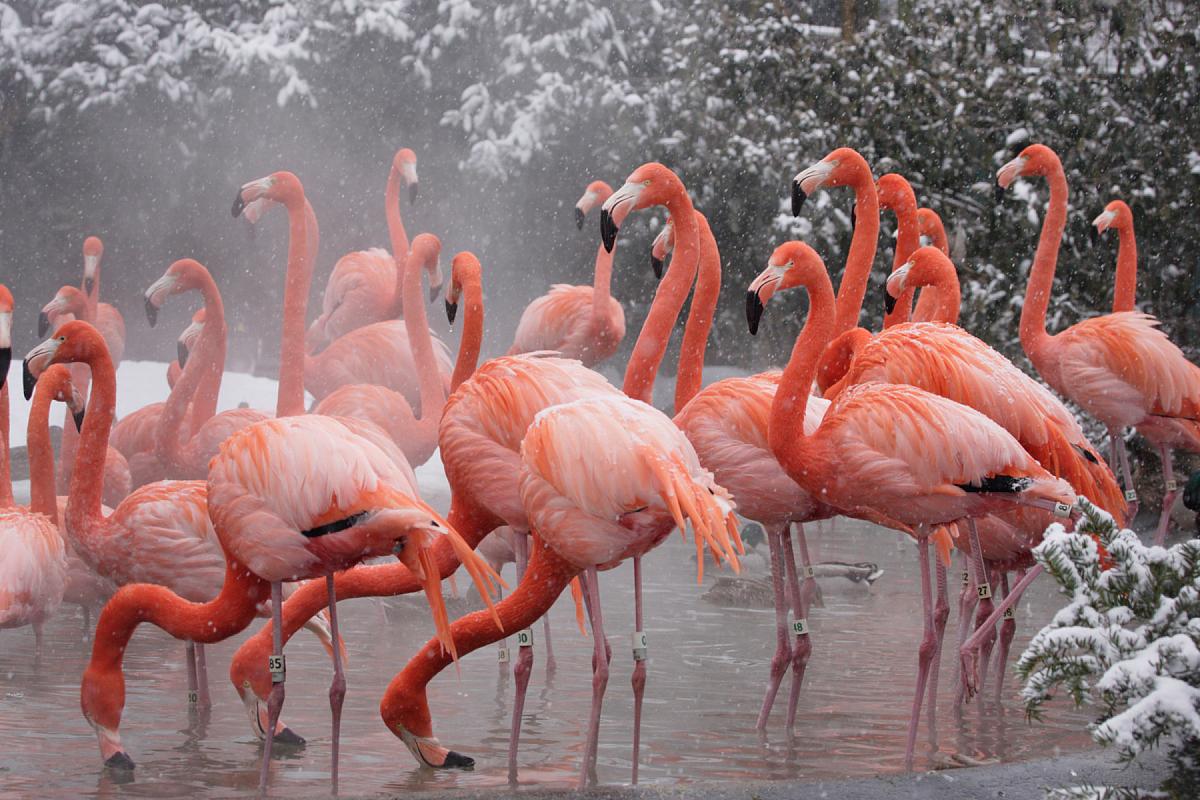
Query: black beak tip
[[798, 198], [656, 264], [451, 311], [889, 302], [579, 217], [754, 311], [29, 380], [151, 312], [239, 205], [1094, 234], [608, 231], [43, 323], [88, 285], [181, 353], [78, 419], [413, 192], [998, 193], [5, 361], [853, 217]]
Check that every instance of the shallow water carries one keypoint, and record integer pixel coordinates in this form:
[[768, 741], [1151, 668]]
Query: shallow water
[[706, 676]]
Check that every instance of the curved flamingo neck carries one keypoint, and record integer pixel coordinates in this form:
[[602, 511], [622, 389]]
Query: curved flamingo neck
[[1125, 291], [204, 403], [398, 237], [945, 296], [652, 341], [83, 501], [785, 431], [420, 340], [6, 492], [472, 333], [42, 497], [1034, 337], [690, 376], [602, 283], [92, 298], [853, 287], [302, 246], [908, 239]]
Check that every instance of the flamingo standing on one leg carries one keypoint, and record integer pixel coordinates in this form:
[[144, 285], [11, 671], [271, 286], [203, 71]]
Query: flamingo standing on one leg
[[365, 286], [1120, 367], [582, 322], [292, 498], [888, 453]]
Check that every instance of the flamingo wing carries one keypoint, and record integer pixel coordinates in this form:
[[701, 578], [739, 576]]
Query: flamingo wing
[[33, 570]]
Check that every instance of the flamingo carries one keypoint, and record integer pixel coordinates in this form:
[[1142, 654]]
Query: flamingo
[[888, 453], [588, 518], [929, 224], [365, 286], [415, 435], [291, 498], [184, 450], [581, 322], [1120, 368]]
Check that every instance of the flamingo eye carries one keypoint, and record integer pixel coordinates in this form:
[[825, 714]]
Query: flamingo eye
[[646, 182], [62, 339]]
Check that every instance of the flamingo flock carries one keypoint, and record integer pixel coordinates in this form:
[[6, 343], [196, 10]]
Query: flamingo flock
[[198, 521]]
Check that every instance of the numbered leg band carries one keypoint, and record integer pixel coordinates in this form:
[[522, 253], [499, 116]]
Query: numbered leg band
[[525, 638], [502, 655], [277, 666], [1172, 485], [1008, 613], [983, 592], [1130, 496], [193, 697], [800, 627], [808, 571], [1062, 510], [639, 645], [966, 578]]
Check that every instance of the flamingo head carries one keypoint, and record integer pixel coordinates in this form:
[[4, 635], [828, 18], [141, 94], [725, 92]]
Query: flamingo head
[[69, 300], [843, 167], [74, 341], [278, 187], [404, 163], [6, 312], [792, 264], [57, 381], [465, 267], [921, 269], [664, 243], [1115, 215], [596, 192], [189, 338], [93, 250], [426, 249], [929, 226], [181, 276], [1034, 160], [895, 193], [651, 184]]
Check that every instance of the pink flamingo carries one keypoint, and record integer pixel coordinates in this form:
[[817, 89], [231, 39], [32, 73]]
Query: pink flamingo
[[1120, 367], [291, 499], [587, 520], [889, 453], [416, 435], [581, 322], [929, 224], [366, 285]]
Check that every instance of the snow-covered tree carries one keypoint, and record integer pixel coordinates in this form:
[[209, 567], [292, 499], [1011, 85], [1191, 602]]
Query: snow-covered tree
[[1128, 641]]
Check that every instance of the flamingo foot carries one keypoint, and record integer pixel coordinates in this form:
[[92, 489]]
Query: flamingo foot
[[430, 753], [119, 760]]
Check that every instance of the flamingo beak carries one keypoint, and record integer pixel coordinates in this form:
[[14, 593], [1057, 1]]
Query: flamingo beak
[[89, 283], [579, 217], [5, 361], [451, 311], [43, 323], [889, 302], [656, 264], [1104, 221], [808, 181], [1010, 171], [181, 353], [413, 191], [754, 311], [151, 312], [78, 416], [614, 210], [239, 205]]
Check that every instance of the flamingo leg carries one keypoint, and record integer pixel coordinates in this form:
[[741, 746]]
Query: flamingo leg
[[337, 688], [1171, 491], [275, 698], [205, 699], [639, 664], [983, 592], [966, 605], [941, 613], [37, 641], [599, 679], [551, 664], [87, 622], [1008, 629], [1123, 454], [985, 652], [524, 663], [193, 693], [502, 653], [802, 646], [779, 662], [969, 650], [925, 652]]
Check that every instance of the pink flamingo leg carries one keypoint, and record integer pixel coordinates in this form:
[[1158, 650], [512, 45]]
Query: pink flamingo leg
[[1123, 454], [337, 689], [802, 647], [275, 698], [941, 613], [1171, 491], [202, 677], [193, 693], [925, 652], [524, 663], [969, 650], [779, 662], [983, 591], [639, 665], [599, 678], [551, 664], [966, 606], [1008, 629]]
